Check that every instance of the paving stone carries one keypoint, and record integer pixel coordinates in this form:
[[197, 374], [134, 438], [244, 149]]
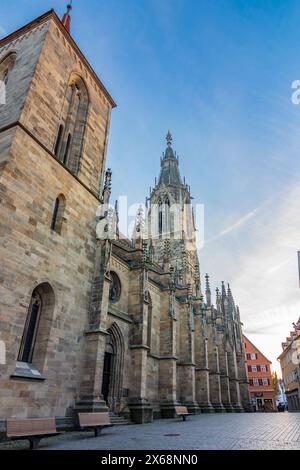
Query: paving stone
[[204, 432]]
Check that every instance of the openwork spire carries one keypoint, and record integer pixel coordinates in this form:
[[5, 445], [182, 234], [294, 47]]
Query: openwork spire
[[66, 21], [207, 291], [169, 174], [224, 295], [218, 296]]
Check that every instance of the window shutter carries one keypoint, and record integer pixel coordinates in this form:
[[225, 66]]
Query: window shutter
[[258, 369], [267, 369], [251, 382], [260, 382], [248, 356], [249, 369]]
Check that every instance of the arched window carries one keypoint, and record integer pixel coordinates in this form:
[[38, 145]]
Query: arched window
[[5, 76], [115, 287], [58, 139], [160, 218], [167, 216], [58, 213], [37, 326], [72, 128], [31, 328], [67, 149], [6, 65]]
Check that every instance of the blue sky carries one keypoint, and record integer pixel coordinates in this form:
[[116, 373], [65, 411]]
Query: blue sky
[[218, 74]]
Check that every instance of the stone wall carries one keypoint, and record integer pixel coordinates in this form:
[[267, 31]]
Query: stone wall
[[32, 254], [28, 48]]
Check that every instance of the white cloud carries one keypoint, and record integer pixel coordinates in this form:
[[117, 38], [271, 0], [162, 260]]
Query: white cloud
[[267, 286], [258, 255], [235, 226], [242, 221]]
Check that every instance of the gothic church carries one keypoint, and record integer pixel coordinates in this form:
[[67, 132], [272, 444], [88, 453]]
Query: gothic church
[[89, 322]]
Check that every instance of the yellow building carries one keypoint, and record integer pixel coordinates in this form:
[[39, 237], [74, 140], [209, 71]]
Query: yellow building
[[290, 366]]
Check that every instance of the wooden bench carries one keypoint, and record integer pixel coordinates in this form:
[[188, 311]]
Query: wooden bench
[[32, 430], [182, 412], [95, 421]]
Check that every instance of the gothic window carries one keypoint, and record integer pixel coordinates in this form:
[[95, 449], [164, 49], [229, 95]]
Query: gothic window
[[58, 139], [5, 77], [164, 216], [36, 333], [160, 218], [115, 288], [167, 215], [69, 141], [6, 65], [58, 213], [30, 332], [67, 150]]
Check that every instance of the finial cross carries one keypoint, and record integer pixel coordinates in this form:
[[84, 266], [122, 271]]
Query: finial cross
[[169, 139]]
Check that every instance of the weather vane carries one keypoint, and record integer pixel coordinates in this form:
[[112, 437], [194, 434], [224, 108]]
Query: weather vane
[[169, 138]]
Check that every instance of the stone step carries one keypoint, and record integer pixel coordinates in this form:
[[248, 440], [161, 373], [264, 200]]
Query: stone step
[[117, 420]]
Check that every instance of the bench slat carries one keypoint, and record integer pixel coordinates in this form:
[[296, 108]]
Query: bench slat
[[30, 427], [181, 410], [94, 419]]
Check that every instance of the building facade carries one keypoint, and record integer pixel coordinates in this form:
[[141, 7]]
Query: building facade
[[263, 396], [290, 366], [282, 401], [92, 321]]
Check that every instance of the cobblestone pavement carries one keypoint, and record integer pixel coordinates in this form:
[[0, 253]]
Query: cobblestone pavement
[[212, 431]]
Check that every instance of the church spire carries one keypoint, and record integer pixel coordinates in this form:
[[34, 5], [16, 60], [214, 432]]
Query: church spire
[[66, 21], [139, 227], [218, 299], [169, 174]]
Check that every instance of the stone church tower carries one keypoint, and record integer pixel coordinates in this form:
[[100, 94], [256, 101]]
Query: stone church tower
[[53, 144], [90, 321], [171, 224]]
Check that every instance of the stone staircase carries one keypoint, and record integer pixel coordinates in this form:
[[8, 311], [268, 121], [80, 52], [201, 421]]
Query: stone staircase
[[117, 420]]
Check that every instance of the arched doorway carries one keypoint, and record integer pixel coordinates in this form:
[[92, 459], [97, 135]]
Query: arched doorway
[[112, 380]]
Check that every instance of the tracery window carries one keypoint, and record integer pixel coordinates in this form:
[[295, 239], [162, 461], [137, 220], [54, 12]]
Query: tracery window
[[115, 287], [31, 327], [37, 327], [70, 135], [6, 65]]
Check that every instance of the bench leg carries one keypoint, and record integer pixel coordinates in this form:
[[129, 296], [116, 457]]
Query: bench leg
[[183, 418], [98, 432], [34, 442]]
